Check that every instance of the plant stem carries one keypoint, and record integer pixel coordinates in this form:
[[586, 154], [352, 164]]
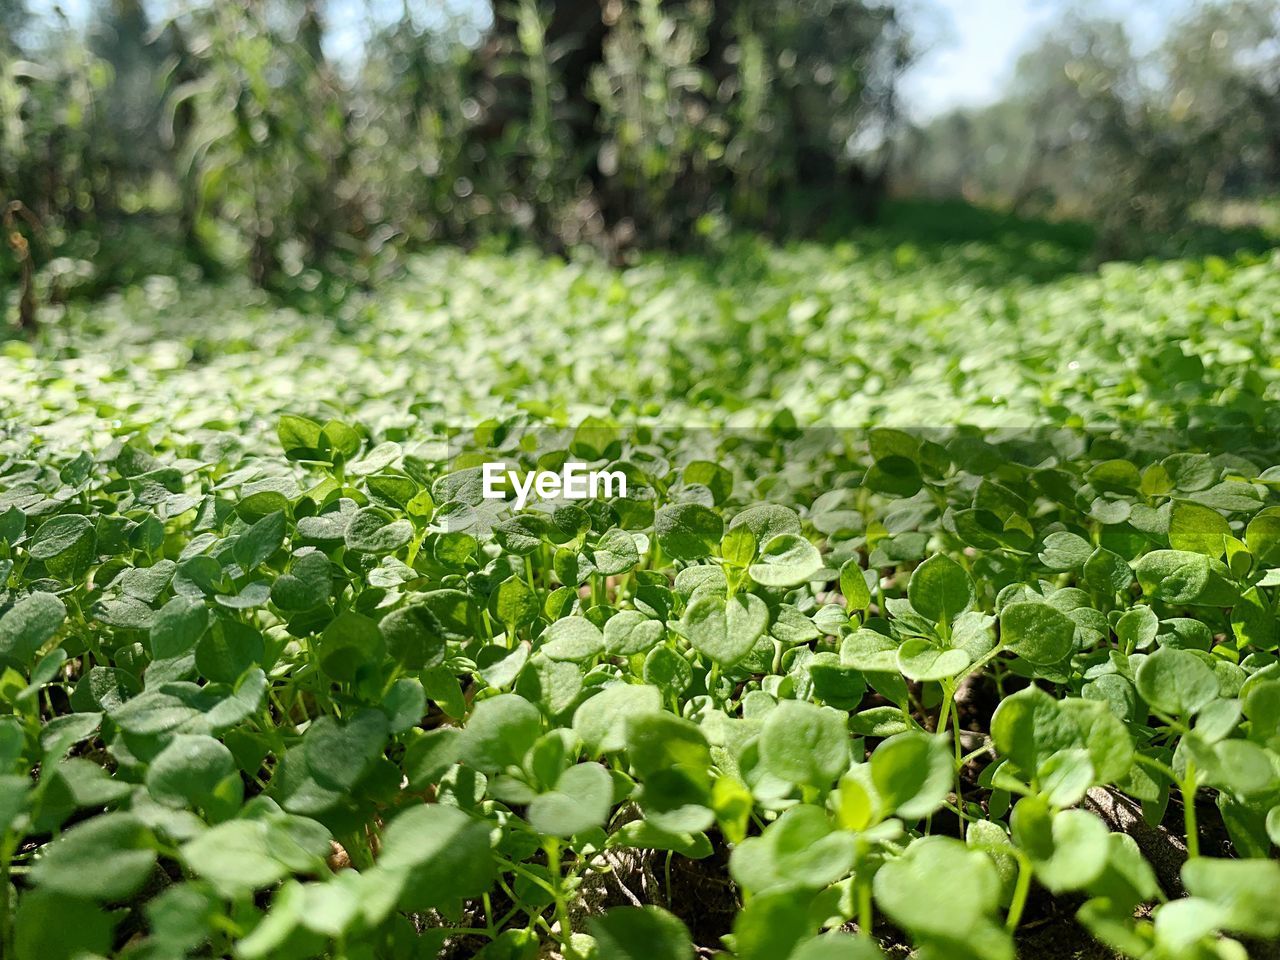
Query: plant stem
[[552, 846], [1188, 789], [488, 913], [960, 812], [948, 693], [1156, 765], [5, 853], [1020, 890], [866, 917], [528, 875], [465, 931], [959, 767], [986, 747], [983, 660]]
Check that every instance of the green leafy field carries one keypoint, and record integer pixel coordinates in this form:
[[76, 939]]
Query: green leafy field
[[940, 611]]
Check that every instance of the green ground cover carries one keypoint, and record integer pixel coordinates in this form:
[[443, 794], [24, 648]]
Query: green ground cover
[[932, 553]]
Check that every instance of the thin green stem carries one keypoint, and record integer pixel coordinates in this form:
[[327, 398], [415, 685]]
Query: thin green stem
[[959, 767], [528, 875], [948, 694], [985, 748], [983, 660], [6, 852], [866, 916], [465, 931], [1021, 888], [519, 905], [488, 913], [1156, 765], [959, 811], [1188, 790], [552, 846]]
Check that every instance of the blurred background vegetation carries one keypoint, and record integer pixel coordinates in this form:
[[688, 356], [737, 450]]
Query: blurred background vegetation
[[227, 137]]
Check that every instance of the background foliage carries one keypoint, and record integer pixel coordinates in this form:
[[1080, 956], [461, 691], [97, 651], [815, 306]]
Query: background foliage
[[231, 133], [229, 126], [1139, 142]]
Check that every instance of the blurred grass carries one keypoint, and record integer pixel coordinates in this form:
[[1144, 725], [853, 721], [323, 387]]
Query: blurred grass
[[950, 239]]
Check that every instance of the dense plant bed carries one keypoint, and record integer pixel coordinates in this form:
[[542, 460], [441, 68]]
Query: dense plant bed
[[279, 681]]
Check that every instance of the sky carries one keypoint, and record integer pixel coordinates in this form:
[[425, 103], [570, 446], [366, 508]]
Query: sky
[[971, 46]]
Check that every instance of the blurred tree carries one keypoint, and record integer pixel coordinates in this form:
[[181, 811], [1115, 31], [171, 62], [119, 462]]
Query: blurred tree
[[265, 144], [1223, 70], [614, 123], [1137, 144], [716, 102], [179, 77], [13, 14], [52, 133], [119, 36]]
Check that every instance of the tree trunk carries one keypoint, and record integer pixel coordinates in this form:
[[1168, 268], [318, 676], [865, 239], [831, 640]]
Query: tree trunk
[[575, 35], [15, 211]]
